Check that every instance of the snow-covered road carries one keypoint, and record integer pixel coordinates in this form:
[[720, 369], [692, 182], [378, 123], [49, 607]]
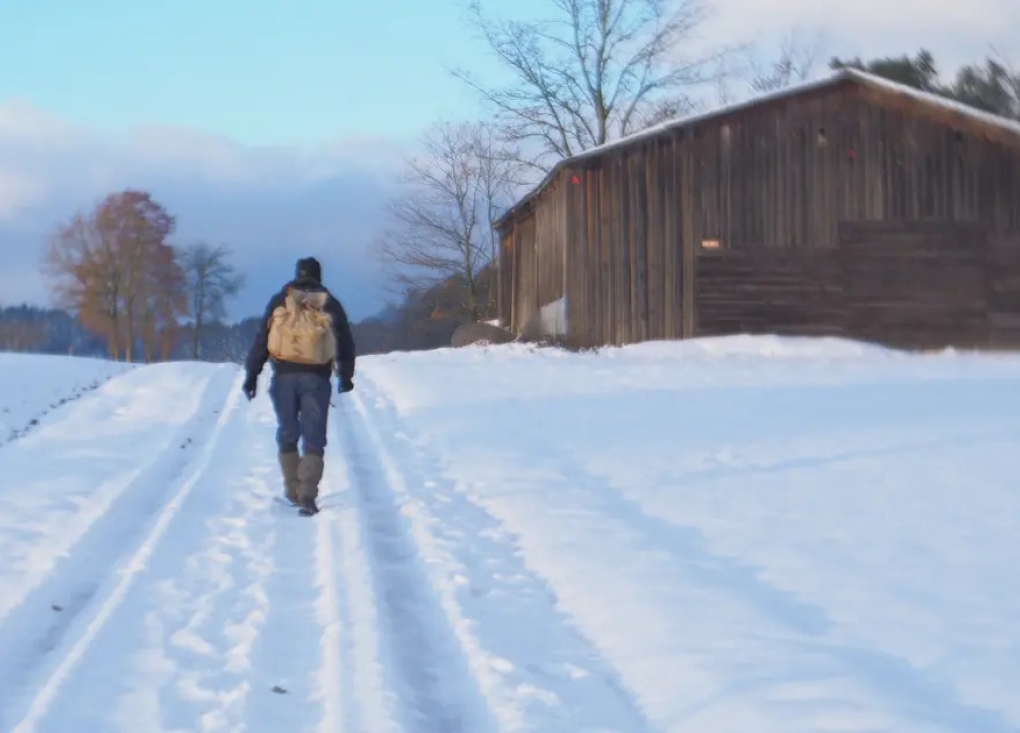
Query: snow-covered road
[[744, 534]]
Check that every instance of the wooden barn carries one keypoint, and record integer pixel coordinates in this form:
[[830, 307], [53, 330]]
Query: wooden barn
[[849, 206]]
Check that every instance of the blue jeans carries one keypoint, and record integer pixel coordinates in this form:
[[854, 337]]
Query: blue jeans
[[301, 401]]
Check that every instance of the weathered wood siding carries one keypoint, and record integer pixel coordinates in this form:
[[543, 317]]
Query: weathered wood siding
[[1004, 296], [770, 292], [916, 284], [783, 176], [776, 178], [624, 277], [532, 260], [550, 233], [910, 284], [506, 278]]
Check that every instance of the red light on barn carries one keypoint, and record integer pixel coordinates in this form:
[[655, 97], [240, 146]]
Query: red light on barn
[[574, 180]]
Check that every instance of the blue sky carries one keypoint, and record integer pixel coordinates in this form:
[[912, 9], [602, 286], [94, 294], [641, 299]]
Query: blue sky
[[261, 72], [278, 127]]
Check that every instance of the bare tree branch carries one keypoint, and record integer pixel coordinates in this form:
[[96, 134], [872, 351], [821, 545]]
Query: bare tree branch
[[210, 280], [793, 63], [597, 70], [439, 226]]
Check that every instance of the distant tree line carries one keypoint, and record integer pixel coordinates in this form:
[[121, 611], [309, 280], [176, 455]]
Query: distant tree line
[[991, 86], [421, 322], [26, 328], [46, 330]]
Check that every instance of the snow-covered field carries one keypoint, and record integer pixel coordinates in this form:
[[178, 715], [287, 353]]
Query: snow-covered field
[[32, 385], [744, 534]]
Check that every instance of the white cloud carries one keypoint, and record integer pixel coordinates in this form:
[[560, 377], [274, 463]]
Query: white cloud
[[955, 32], [18, 192], [272, 205], [22, 123]]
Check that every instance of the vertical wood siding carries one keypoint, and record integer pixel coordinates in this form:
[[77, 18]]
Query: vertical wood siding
[[774, 182], [506, 277], [532, 259]]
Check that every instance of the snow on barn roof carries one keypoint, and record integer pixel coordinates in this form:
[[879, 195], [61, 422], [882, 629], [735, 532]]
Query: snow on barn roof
[[869, 80]]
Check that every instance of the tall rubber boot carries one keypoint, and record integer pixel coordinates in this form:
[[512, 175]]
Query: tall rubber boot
[[309, 475], [289, 464]]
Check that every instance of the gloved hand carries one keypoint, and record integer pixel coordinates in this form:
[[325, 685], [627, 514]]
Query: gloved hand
[[345, 384], [251, 384]]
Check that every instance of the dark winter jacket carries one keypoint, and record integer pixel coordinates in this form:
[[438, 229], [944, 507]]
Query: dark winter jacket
[[259, 353]]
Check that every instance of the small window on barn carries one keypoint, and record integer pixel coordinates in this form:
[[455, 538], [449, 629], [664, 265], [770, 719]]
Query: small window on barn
[[711, 244], [822, 139]]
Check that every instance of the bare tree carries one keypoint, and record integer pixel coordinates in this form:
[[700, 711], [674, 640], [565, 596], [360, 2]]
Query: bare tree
[[439, 225], [596, 71], [501, 177], [211, 279], [792, 65]]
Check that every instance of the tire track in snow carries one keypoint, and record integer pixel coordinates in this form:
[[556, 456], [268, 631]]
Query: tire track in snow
[[399, 636], [64, 574], [353, 688], [83, 631], [536, 668], [222, 607], [350, 684], [220, 633], [289, 635], [48, 551], [814, 653]]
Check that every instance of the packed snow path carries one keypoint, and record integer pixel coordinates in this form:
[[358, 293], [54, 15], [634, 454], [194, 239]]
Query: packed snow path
[[156, 583], [774, 537]]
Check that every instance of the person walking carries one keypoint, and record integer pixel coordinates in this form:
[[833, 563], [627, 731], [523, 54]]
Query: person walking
[[306, 334]]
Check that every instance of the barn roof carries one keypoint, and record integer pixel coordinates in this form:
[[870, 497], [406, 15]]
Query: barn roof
[[843, 75]]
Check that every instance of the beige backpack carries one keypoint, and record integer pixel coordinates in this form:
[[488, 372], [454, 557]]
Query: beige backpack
[[301, 331]]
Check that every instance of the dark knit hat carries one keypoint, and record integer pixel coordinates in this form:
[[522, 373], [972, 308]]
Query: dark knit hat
[[309, 269]]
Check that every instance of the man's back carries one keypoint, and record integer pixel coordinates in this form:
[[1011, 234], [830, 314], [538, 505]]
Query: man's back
[[305, 289]]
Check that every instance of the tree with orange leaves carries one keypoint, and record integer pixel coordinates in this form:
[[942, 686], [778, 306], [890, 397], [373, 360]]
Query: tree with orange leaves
[[116, 270], [165, 302]]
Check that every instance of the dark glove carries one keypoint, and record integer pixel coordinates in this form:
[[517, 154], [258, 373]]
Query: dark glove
[[346, 385], [251, 384]]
